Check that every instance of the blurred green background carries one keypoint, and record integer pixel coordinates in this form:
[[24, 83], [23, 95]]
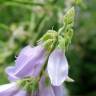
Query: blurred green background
[[23, 22]]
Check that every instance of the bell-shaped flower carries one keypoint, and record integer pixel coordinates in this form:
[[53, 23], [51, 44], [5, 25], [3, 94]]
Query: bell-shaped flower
[[28, 63], [57, 67]]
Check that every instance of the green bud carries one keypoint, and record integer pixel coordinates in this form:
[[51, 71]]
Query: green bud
[[69, 16], [66, 32], [50, 34], [48, 39]]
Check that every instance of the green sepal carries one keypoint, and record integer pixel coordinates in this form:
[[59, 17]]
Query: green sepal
[[61, 44], [49, 44], [68, 79], [47, 79], [50, 34], [48, 39], [64, 42], [29, 84]]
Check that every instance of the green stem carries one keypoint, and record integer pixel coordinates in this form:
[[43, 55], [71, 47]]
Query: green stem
[[23, 2], [17, 5], [28, 2]]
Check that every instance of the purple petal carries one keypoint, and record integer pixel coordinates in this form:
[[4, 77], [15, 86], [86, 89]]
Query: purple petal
[[28, 63], [45, 90], [57, 67], [8, 89], [11, 89], [10, 72], [21, 93], [60, 91]]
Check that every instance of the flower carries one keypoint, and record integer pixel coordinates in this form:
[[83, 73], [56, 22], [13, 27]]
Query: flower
[[50, 90], [57, 67], [29, 63], [11, 89]]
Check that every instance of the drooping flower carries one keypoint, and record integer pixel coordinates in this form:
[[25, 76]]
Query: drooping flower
[[29, 63], [57, 67]]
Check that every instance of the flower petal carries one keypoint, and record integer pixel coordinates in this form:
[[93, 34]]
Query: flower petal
[[21, 93], [57, 67], [45, 90], [60, 91], [8, 89], [28, 63], [11, 89]]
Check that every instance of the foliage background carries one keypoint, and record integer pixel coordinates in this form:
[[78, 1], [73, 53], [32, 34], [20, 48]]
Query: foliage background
[[22, 22]]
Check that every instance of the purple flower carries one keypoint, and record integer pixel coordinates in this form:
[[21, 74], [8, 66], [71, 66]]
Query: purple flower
[[29, 63], [13, 89], [49, 90], [57, 67], [60, 90]]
